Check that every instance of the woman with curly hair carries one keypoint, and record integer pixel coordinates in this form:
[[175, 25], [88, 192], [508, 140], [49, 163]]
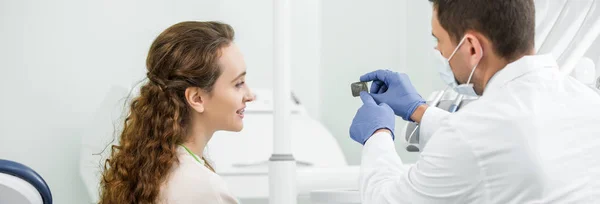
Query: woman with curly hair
[[196, 87]]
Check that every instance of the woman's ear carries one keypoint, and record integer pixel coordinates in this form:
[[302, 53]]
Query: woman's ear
[[195, 97]]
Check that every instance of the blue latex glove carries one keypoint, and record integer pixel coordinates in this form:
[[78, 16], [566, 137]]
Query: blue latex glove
[[371, 117], [396, 90]]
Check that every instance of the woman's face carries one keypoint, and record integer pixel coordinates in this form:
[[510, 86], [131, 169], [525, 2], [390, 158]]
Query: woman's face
[[224, 106]]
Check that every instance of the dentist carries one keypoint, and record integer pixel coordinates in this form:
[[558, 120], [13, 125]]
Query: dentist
[[533, 136]]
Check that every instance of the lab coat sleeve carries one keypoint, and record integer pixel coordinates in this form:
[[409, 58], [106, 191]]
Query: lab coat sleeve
[[431, 122], [447, 171]]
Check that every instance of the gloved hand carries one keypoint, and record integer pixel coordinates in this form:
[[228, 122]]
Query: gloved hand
[[396, 90], [371, 117]]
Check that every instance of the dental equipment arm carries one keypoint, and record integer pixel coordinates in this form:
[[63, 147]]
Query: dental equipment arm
[[414, 146], [433, 118]]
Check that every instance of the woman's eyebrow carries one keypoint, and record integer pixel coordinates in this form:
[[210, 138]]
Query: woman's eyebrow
[[241, 75]]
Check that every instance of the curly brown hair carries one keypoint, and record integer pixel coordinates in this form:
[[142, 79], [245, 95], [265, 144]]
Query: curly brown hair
[[184, 55]]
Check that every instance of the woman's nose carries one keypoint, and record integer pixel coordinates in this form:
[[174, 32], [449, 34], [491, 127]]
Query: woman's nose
[[250, 96]]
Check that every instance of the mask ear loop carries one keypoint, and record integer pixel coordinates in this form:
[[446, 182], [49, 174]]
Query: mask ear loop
[[473, 71], [456, 49]]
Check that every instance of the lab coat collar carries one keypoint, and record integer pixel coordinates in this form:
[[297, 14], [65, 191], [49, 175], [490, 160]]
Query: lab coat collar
[[519, 68]]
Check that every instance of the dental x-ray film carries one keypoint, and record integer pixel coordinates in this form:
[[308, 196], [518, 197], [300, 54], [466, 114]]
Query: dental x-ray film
[[357, 87]]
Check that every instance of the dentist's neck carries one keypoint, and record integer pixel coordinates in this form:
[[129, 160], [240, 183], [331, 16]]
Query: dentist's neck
[[493, 65], [198, 136]]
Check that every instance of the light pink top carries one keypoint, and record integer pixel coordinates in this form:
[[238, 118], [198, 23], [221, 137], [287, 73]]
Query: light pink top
[[192, 182]]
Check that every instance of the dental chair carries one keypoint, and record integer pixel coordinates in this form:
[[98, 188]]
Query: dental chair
[[20, 184], [573, 38]]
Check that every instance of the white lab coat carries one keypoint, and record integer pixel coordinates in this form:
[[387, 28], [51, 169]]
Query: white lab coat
[[533, 137]]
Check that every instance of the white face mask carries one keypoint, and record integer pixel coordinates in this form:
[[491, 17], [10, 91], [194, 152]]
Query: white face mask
[[448, 76]]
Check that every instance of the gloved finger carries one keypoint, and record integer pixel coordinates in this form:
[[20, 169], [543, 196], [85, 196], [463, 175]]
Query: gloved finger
[[383, 89], [377, 97], [380, 75], [386, 106], [404, 80], [367, 98], [376, 86]]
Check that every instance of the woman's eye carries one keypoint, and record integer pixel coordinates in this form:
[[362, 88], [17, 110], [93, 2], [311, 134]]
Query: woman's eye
[[240, 84]]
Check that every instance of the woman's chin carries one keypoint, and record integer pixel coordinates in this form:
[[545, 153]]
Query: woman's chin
[[236, 127]]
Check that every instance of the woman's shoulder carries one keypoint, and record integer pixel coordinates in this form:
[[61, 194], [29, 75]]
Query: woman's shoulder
[[188, 171], [191, 181]]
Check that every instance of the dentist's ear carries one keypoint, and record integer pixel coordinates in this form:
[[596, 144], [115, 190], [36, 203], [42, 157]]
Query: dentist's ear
[[195, 97], [475, 49]]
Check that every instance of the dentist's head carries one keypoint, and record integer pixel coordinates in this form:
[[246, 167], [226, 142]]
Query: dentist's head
[[477, 38], [196, 86]]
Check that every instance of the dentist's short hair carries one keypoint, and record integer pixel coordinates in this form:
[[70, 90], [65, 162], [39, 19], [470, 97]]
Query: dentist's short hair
[[508, 24]]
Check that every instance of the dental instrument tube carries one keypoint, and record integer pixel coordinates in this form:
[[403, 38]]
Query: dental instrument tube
[[436, 101], [412, 147], [454, 107], [282, 165]]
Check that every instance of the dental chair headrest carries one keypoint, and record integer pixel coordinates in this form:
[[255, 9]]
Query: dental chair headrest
[[29, 175]]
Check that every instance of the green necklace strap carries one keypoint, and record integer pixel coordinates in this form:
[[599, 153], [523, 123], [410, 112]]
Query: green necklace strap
[[193, 155]]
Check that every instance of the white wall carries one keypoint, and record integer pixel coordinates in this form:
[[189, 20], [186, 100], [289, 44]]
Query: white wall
[[357, 37], [253, 21], [363, 36], [420, 61], [59, 58]]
